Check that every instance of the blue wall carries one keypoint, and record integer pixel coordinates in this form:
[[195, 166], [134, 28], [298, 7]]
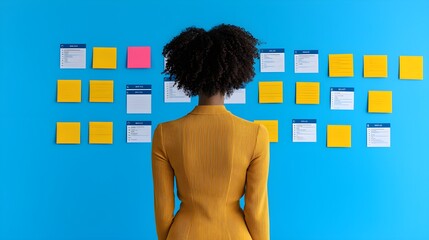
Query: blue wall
[[50, 191]]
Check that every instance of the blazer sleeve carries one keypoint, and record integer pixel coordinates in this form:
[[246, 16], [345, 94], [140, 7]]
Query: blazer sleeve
[[256, 193], [163, 182]]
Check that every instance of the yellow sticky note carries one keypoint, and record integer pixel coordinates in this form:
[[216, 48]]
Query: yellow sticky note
[[380, 101], [270, 92], [68, 132], [375, 66], [104, 58], [69, 91], [100, 132], [411, 67], [339, 136], [341, 65], [272, 127], [307, 92], [101, 90]]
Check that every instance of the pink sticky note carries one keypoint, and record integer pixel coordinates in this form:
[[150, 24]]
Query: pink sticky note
[[138, 57]]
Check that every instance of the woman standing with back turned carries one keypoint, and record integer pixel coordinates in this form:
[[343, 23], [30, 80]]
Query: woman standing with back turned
[[215, 156]]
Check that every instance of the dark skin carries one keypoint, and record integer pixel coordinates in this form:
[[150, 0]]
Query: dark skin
[[217, 99]]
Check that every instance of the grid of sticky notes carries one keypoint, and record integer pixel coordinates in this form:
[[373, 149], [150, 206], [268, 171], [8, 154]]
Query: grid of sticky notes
[[106, 57], [100, 91], [308, 92], [375, 66], [70, 91], [99, 133]]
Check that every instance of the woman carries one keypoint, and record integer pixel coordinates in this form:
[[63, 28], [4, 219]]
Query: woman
[[215, 156]]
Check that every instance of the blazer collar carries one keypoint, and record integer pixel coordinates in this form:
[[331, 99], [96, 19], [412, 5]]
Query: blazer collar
[[209, 109]]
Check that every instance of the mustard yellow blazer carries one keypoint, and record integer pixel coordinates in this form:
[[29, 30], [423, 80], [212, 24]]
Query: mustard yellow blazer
[[216, 158]]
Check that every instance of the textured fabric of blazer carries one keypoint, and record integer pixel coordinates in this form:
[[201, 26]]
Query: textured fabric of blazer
[[216, 158]]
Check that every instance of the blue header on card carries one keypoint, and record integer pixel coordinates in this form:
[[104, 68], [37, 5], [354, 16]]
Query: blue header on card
[[303, 120], [306, 51], [378, 125], [139, 122], [141, 86], [72, 45], [167, 79], [343, 89], [139, 91], [272, 50]]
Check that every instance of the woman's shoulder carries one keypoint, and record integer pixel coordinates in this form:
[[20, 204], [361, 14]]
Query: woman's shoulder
[[244, 123], [168, 124], [175, 123]]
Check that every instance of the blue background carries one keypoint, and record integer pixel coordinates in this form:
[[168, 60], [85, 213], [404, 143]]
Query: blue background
[[50, 191]]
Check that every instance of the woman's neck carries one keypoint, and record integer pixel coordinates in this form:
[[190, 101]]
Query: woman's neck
[[217, 99]]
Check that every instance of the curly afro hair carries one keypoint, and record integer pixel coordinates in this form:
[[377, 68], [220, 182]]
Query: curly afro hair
[[209, 62]]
